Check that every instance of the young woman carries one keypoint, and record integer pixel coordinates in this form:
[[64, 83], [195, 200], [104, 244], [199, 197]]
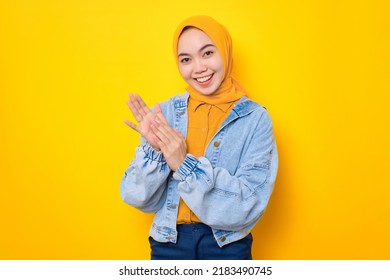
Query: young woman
[[207, 161]]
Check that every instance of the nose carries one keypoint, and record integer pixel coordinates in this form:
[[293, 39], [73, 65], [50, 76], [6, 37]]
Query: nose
[[199, 66]]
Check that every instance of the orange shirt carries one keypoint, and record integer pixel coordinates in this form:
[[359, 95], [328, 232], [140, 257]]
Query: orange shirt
[[203, 122]]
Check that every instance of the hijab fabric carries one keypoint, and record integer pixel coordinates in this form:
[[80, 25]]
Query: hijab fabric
[[229, 90]]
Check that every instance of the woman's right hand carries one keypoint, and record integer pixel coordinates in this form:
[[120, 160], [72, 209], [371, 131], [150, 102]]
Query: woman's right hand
[[144, 117]]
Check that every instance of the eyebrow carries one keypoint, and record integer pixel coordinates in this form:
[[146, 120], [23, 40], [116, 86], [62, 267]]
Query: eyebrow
[[201, 49]]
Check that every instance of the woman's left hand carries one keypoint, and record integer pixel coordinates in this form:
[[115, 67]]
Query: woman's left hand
[[170, 141]]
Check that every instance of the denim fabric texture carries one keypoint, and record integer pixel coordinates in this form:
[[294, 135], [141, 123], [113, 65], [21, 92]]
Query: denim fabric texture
[[196, 242], [228, 189]]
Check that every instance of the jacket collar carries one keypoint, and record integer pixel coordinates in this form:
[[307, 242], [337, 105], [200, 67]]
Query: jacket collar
[[243, 107]]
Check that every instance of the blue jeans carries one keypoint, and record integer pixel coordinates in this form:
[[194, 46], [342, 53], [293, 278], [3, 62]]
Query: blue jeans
[[196, 242]]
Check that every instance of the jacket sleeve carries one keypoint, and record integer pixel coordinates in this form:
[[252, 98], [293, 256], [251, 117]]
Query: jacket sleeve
[[144, 183], [232, 202]]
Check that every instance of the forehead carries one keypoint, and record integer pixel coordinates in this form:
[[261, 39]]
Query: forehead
[[192, 39]]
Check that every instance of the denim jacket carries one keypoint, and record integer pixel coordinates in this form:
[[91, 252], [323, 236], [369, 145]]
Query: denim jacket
[[228, 189]]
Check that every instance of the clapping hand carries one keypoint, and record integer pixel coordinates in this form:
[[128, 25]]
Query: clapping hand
[[156, 130], [144, 116]]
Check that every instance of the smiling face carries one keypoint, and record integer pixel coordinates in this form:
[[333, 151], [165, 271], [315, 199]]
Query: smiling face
[[200, 63]]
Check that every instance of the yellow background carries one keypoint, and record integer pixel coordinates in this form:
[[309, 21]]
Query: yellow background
[[66, 67]]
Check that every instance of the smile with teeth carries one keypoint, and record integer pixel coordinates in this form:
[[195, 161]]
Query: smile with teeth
[[204, 79]]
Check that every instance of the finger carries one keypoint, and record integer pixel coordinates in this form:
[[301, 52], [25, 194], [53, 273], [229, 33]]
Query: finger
[[132, 125], [135, 111], [178, 133], [164, 127], [140, 106], [167, 135], [159, 114], [134, 101], [143, 107], [160, 132], [161, 142], [161, 145], [157, 108], [167, 141]]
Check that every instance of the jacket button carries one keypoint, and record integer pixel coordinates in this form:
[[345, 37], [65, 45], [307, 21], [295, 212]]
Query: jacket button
[[216, 144], [223, 239]]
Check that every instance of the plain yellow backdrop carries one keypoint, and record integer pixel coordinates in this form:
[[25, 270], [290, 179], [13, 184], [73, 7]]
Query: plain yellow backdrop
[[66, 67]]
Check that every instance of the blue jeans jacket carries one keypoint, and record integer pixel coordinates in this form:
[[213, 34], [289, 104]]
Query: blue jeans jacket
[[228, 189]]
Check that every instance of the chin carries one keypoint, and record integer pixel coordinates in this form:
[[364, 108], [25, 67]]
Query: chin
[[205, 91]]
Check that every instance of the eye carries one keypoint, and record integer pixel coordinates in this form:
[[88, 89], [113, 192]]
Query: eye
[[208, 53], [185, 60]]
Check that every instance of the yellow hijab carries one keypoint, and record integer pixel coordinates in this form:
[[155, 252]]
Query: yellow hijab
[[230, 90]]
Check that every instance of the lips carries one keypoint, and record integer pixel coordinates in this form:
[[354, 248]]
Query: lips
[[204, 79]]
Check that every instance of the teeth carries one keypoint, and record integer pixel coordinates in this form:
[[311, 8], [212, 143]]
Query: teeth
[[204, 79]]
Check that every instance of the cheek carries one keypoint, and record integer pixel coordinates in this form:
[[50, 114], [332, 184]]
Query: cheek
[[217, 66], [184, 72]]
